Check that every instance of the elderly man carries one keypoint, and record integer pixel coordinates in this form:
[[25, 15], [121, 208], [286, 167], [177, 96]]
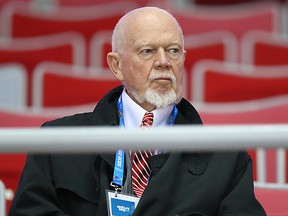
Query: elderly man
[[148, 57]]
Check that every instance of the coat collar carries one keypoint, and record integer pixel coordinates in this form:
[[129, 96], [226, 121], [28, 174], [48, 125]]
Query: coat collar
[[106, 113]]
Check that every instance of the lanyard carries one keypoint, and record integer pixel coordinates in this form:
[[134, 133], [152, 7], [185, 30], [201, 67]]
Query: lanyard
[[118, 174]]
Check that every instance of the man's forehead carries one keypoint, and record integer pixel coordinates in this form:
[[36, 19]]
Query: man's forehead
[[156, 38], [154, 43]]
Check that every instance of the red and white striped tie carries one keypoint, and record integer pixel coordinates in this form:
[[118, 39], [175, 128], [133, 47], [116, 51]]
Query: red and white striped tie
[[140, 167]]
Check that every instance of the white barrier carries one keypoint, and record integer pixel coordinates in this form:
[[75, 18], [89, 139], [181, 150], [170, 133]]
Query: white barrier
[[2, 199], [177, 138]]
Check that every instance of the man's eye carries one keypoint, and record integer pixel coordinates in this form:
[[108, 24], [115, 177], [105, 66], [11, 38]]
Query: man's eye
[[147, 51], [174, 51]]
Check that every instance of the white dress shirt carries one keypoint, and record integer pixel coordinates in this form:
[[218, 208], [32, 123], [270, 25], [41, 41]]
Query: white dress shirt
[[133, 113]]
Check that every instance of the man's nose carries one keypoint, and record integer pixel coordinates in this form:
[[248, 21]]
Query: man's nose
[[162, 60]]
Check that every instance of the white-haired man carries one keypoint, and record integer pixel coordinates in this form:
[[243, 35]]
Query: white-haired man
[[148, 57]]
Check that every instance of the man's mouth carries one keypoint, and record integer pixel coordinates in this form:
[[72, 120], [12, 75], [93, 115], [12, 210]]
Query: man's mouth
[[163, 79]]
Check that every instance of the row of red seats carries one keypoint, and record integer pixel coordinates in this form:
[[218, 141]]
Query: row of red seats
[[212, 81], [20, 20], [32, 52], [30, 37]]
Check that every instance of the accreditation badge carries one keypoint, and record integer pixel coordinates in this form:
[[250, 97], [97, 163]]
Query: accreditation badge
[[120, 204]]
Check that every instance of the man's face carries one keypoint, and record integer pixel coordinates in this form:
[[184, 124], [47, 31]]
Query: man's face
[[153, 60]]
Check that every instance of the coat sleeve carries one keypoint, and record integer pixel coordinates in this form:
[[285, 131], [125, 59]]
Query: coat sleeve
[[240, 199], [36, 194]]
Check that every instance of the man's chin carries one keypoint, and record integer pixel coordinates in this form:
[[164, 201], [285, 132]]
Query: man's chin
[[162, 91], [160, 99]]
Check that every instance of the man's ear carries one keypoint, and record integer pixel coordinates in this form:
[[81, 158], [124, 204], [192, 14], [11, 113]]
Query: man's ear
[[113, 60], [184, 53]]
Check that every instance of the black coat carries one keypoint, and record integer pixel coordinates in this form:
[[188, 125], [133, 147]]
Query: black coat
[[182, 184]]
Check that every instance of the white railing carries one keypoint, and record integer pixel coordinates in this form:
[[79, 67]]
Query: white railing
[[177, 138], [2, 199]]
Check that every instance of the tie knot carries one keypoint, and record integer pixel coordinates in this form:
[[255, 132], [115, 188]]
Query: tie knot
[[147, 120]]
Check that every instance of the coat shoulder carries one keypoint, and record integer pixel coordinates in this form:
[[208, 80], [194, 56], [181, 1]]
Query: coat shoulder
[[188, 113]]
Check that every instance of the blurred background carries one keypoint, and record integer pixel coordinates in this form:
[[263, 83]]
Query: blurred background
[[53, 63]]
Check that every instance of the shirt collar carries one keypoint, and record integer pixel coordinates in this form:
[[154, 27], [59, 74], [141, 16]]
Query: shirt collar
[[133, 113]]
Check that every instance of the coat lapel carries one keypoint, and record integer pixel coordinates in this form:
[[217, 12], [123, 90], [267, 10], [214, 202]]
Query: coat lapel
[[156, 162]]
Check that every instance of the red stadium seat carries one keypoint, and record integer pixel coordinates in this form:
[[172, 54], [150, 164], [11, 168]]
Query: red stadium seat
[[269, 165], [217, 82], [270, 110], [64, 47], [224, 82], [273, 198], [237, 20], [220, 46], [11, 164], [264, 49], [57, 85], [99, 48], [22, 21]]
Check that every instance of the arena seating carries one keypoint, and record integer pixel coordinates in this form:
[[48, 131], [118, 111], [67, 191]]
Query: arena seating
[[64, 47], [11, 164], [273, 198], [20, 21], [237, 20], [270, 110], [215, 81], [58, 85], [264, 48]]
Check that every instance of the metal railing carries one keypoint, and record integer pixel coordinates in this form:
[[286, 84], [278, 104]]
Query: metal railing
[[177, 138]]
